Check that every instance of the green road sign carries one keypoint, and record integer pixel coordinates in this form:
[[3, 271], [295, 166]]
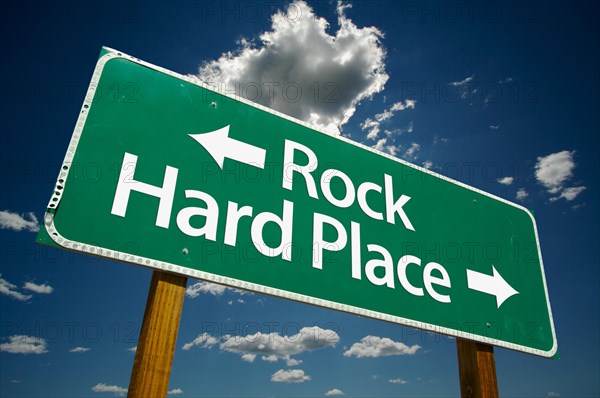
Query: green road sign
[[164, 172]]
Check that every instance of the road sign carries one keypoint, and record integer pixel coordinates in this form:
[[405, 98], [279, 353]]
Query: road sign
[[164, 172]]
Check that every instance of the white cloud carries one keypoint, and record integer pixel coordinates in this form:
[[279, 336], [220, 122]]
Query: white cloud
[[41, 289], [553, 394], [374, 347], [300, 69], [196, 289], [507, 79], [101, 387], [334, 393], [21, 344], [79, 349], [290, 376], [199, 288], [204, 340], [569, 193], [411, 152], [392, 149], [9, 290], [554, 170], [132, 349], [372, 126], [17, 222], [397, 381], [175, 391], [248, 357], [506, 180], [292, 362], [462, 82], [522, 194], [273, 347], [270, 347], [380, 146], [428, 164], [494, 126], [391, 111]]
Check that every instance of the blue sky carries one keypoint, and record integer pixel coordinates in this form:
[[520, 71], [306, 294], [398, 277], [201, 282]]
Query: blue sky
[[500, 95]]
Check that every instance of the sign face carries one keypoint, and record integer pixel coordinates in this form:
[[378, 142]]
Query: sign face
[[166, 173]]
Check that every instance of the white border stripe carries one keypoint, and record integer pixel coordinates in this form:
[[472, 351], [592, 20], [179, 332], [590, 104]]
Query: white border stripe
[[173, 268]]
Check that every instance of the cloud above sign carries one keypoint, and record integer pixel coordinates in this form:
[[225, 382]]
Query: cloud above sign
[[554, 171], [299, 69]]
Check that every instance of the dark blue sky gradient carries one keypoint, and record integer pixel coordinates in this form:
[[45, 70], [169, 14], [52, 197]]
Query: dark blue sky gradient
[[549, 49]]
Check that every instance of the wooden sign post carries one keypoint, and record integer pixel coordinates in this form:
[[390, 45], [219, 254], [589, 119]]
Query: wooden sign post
[[477, 369], [156, 346]]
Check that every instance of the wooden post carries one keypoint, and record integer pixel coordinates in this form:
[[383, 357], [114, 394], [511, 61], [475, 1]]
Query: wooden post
[[156, 346], [477, 369]]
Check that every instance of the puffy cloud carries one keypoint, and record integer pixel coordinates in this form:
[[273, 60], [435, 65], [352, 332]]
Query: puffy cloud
[[460, 83], [79, 349], [290, 376], [380, 145], [10, 290], [270, 347], [199, 288], [494, 126], [554, 170], [506, 180], [175, 391], [41, 289], [248, 357], [428, 164], [334, 393], [273, 347], [17, 222], [374, 347], [292, 362], [204, 340], [411, 152], [300, 69], [374, 126], [196, 289], [522, 194], [397, 381], [392, 149], [21, 344], [101, 387], [391, 111], [569, 193]]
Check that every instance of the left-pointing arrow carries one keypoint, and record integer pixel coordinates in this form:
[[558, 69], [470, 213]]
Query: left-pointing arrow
[[220, 146], [494, 285]]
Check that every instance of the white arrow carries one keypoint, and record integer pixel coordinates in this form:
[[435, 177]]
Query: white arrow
[[220, 146], [494, 285]]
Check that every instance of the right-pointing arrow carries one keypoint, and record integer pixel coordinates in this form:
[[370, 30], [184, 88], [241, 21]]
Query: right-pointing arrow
[[494, 285]]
